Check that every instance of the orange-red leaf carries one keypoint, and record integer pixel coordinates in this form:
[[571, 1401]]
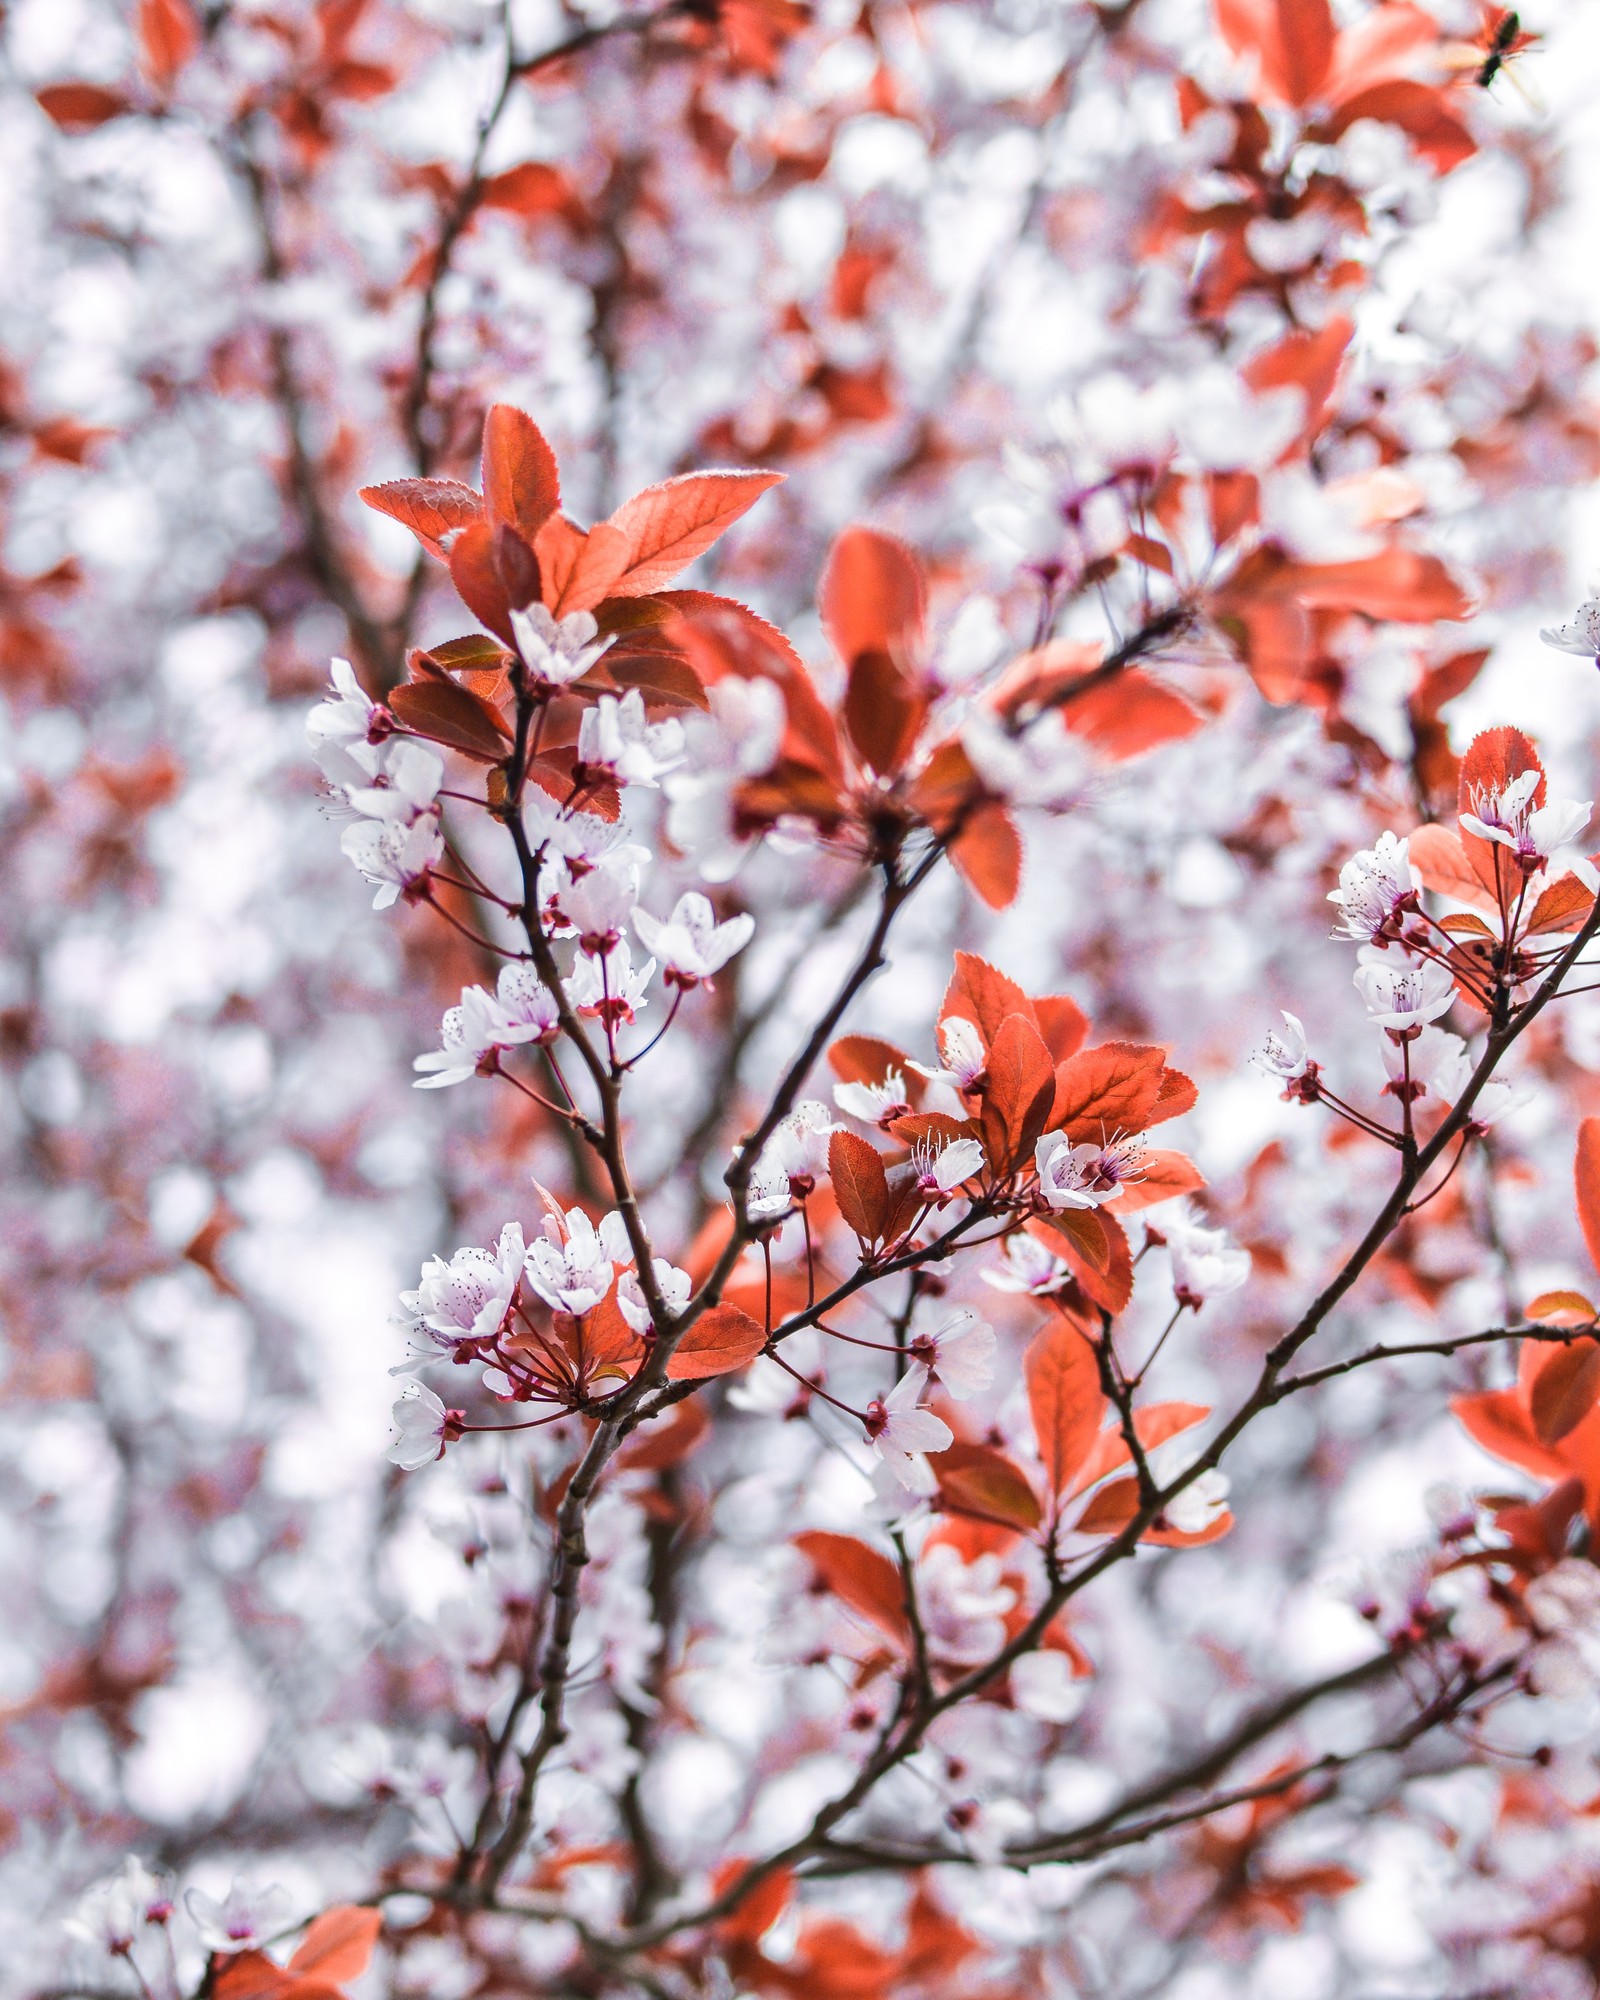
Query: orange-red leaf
[[1306, 41], [533, 188], [883, 712], [476, 576], [168, 36], [1586, 1178], [338, 1944], [1111, 1509], [977, 1480], [1065, 1398], [1162, 1175], [866, 1059], [657, 1445], [1563, 907], [1493, 759], [860, 1184], [1564, 1390], [665, 527], [1561, 1309], [1440, 858], [576, 569], [445, 712], [1063, 1024], [250, 1975], [521, 485], [1109, 1089], [722, 1339], [1021, 1089], [987, 854], [859, 1577], [431, 508], [1399, 584], [1498, 1419], [872, 596], [1418, 111], [80, 107], [982, 995], [1125, 717]]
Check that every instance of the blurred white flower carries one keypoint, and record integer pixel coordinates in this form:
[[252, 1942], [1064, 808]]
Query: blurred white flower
[[250, 1914]]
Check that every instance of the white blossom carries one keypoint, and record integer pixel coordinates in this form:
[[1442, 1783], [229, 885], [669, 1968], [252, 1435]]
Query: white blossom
[[1533, 833], [1374, 886], [960, 1351], [111, 1914], [249, 1915], [557, 651], [1581, 635], [405, 786], [340, 731], [963, 1605], [940, 1169], [674, 1286], [1084, 1175], [609, 984], [598, 903], [1206, 1263], [395, 857], [963, 1059], [420, 1418], [874, 1103], [1202, 1501], [739, 738], [468, 1297], [523, 1009], [1285, 1055], [902, 1435], [793, 1160], [1405, 995], [1028, 1266], [691, 944], [568, 1266], [1045, 1684], [614, 736]]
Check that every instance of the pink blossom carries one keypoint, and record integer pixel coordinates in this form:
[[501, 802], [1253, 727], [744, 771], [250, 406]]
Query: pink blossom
[[902, 1434], [691, 943]]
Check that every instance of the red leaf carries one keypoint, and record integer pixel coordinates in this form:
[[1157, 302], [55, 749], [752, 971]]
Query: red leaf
[[977, 1480], [859, 1577], [1065, 1398], [578, 570], [1498, 1419], [883, 712], [1400, 584], [658, 1445], [1306, 361], [722, 1339], [987, 854], [430, 508], [1106, 1090], [250, 1975], [665, 527], [521, 485], [1306, 41], [1021, 1090], [476, 576], [1564, 906], [168, 37], [1440, 858], [1561, 1309], [533, 188], [80, 107], [872, 596], [445, 712], [1109, 1280], [338, 1944], [1125, 717], [1063, 1024], [1162, 1176], [1586, 1178], [1111, 1509], [980, 994], [1420, 112], [865, 1059], [860, 1185], [1565, 1390], [1493, 759], [1386, 42]]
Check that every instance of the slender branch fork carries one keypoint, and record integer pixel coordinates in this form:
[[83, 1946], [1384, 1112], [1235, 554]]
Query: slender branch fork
[[1153, 1808]]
